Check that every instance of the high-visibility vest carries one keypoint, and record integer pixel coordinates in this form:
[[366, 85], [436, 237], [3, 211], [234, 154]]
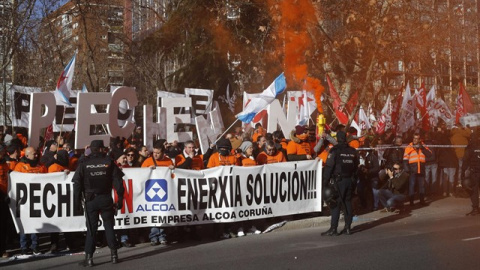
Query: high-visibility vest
[[413, 156]]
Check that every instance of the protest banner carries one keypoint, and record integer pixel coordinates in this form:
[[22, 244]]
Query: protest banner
[[43, 203]]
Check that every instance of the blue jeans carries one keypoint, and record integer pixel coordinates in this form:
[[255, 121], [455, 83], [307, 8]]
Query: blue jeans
[[420, 180], [24, 240], [448, 178], [157, 234], [431, 177], [390, 200], [375, 198]]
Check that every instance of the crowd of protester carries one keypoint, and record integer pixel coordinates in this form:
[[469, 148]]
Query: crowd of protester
[[393, 169]]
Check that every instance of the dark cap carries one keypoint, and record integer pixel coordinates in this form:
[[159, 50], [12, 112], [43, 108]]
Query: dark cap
[[299, 130], [224, 143], [341, 137], [97, 144]]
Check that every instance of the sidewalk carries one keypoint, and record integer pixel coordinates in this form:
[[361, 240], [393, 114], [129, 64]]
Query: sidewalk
[[437, 208]]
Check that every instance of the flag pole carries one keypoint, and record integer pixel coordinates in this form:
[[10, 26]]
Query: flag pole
[[226, 131]]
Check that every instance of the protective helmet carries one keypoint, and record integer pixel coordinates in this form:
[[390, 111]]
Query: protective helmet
[[330, 196]]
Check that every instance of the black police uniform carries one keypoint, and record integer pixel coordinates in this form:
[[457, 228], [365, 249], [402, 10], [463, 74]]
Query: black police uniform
[[472, 160], [95, 176], [341, 166]]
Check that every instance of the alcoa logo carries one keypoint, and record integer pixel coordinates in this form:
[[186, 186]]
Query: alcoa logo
[[156, 190]]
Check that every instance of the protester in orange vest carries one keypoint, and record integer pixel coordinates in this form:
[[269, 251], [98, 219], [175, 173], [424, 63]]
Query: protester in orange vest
[[13, 156], [245, 156], [188, 158], [61, 162], [158, 158], [29, 164], [271, 155], [414, 164], [259, 131], [299, 148], [223, 157], [72, 156]]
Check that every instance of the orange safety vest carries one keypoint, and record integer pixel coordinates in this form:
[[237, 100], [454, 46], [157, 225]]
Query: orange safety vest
[[164, 162], [324, 154], [56, 168], [246, 162], [197, 161], [302, 148], [216, 160], [413, 156], [26, 168], [263, 158]]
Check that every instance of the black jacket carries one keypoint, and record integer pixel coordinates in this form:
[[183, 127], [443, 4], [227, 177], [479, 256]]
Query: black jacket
[[96, 175], [342, 162]]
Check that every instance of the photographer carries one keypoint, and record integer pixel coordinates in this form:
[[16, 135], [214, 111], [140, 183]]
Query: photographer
[[394, 192]]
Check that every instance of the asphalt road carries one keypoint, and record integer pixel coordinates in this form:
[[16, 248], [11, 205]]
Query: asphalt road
[[435, 237]]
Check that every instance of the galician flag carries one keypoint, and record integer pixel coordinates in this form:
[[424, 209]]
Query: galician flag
[[263, 100], [64, 84]]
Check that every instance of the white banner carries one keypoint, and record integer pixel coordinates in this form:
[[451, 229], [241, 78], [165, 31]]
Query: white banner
[[42, 203], [473, 120]]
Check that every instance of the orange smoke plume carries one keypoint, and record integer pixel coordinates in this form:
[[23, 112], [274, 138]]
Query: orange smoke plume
[[294, 18]]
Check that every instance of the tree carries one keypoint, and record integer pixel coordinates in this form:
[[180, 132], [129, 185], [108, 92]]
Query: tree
[[14, 22]]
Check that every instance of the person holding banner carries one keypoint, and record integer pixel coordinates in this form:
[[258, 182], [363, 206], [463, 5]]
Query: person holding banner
[[271, 154], [92, 182], [340, 170], [29, 164], [188, 159], [158, 159], [223, 157]]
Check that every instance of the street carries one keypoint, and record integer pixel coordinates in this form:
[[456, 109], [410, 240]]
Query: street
[[438, 236]]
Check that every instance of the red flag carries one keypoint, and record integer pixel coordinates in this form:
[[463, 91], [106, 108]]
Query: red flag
[[464, 103], [48, 133], [352, 102], [341, 116]]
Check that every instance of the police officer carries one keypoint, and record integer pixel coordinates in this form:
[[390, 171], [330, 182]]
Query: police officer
[[93, 180], [471, 160], [340, 169]]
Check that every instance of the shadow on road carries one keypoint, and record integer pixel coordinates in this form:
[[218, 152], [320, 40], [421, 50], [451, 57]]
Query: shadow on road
[[384, 220]]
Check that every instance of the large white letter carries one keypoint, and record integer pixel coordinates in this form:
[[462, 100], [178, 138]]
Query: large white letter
[[150, 128], [276, 116], [119, 94], [208, 130], [169, 104], [85, 118], [37, 120]]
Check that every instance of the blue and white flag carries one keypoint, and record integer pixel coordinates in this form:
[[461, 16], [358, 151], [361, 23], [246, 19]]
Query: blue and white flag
[[261, 102], [64, 84]]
